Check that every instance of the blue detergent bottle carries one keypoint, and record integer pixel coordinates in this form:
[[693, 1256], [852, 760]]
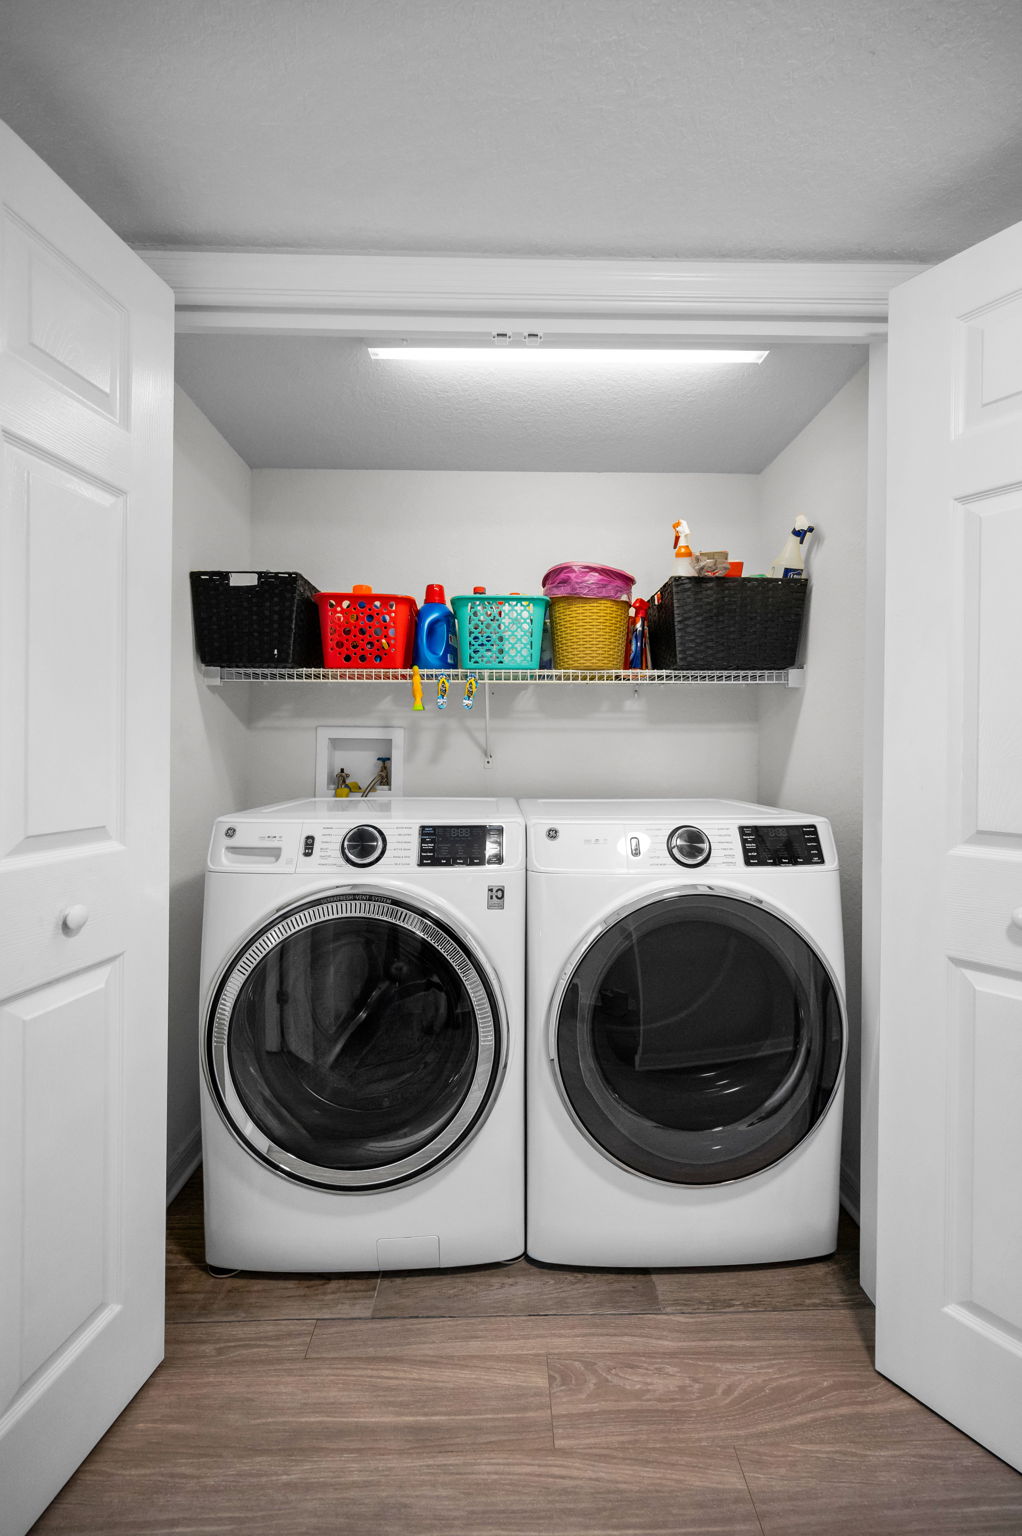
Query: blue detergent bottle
[[436, 633]]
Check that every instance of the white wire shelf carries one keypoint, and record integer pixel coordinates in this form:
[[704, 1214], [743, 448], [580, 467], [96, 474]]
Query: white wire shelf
[[790, 677]]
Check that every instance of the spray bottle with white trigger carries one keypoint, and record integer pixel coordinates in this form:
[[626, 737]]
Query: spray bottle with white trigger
[[791, 560], [683, 550]]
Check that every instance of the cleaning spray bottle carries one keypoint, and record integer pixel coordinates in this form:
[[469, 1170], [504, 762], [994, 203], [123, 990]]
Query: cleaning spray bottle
[[436, 633], [791, 560], [635, 652], [682, 550]]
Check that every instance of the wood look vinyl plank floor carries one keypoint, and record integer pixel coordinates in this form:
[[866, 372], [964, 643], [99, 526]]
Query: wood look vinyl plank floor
[[267, 1412], [507, 1492], [660, 1400], [943, 1488], [820, 1337], [186, 1343], [520, 1400], [193, 1295], [520, 1289]]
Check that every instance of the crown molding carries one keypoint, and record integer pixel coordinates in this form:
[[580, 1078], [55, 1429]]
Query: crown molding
[[307, 292]]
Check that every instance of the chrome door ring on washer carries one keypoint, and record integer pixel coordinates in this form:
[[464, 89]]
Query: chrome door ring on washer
[[460, 982]]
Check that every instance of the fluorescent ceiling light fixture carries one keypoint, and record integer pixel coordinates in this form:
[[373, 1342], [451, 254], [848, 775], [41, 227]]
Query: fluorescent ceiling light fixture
[[543, 357]]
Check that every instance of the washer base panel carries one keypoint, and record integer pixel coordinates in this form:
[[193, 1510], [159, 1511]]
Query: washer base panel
[[256, 1220]]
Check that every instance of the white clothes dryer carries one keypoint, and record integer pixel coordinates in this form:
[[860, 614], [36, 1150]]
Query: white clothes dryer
[[362, 1035], [686, 1033]]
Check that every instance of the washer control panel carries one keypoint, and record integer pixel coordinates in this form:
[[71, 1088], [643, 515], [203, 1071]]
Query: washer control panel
[[781, 845], [460, 845], [365, 838]]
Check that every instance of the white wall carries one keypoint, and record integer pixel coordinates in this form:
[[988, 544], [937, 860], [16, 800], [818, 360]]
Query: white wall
[[241, 745], [811, 739], [208, 772], [399, 530]]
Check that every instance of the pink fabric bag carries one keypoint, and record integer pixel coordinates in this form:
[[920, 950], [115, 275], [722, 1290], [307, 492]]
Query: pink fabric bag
[[575, 580]]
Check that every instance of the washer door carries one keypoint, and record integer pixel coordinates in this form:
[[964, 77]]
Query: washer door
[[354, 1043], [698, 1039]]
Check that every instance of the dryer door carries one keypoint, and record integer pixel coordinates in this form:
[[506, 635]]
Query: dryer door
[[699, 1039], [354, 1043]]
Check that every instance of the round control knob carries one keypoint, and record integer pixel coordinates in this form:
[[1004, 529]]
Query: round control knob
[[689, 846], [363, 846]]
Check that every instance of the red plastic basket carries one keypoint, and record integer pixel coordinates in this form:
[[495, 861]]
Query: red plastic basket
[[363, 628]]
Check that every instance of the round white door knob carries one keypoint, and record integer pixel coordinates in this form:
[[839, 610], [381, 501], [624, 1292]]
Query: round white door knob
[[74, 919], [1016, 917]]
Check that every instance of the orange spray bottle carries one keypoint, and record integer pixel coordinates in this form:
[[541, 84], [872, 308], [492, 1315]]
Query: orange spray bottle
[[683, 550]]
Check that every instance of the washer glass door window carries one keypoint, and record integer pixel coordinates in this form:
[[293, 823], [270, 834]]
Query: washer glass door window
[[699, 1039], [354, 1043]]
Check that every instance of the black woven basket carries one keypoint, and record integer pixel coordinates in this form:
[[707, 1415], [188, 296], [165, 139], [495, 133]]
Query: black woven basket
[[255, 619], [726, 623]]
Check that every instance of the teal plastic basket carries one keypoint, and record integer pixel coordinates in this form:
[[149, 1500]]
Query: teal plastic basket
[[499, 632]]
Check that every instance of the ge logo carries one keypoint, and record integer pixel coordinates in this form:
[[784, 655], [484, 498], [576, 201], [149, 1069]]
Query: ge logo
[[230, 831]]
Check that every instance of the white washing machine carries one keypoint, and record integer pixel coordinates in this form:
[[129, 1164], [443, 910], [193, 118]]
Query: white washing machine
[[362, 1035], [686, 1033]]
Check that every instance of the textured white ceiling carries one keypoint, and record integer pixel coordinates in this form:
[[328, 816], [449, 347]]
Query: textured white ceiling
[[818, 129], [809, 129], [322, 403]]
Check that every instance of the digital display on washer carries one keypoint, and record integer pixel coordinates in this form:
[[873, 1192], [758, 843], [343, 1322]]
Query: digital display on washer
[[461, 844], [781, 845]]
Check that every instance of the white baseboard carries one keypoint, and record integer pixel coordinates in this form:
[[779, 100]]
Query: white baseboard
[[182, 1163]]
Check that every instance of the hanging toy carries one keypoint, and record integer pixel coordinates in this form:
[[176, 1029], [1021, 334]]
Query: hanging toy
[[416, 689], [441, 693], [470, 693]]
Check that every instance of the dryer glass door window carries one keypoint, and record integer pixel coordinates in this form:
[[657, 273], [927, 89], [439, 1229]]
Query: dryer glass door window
[[699, 1039], [355, 1043]]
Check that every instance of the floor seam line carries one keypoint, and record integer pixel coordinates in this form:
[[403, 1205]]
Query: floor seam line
[[748, 1490], [550, 1400]]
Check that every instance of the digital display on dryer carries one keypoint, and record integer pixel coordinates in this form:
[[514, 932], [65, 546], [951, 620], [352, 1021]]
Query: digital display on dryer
[[781, 845], [461, 845]]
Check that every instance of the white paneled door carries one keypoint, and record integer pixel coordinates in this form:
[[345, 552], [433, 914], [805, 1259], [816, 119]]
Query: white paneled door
[[949, 1283], [86, 365]]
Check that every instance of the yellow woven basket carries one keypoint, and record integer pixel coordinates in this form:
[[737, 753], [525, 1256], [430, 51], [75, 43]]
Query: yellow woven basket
[[588, 633]]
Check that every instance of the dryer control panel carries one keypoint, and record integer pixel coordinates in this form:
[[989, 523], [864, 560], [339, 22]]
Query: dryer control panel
[[678, 846]]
